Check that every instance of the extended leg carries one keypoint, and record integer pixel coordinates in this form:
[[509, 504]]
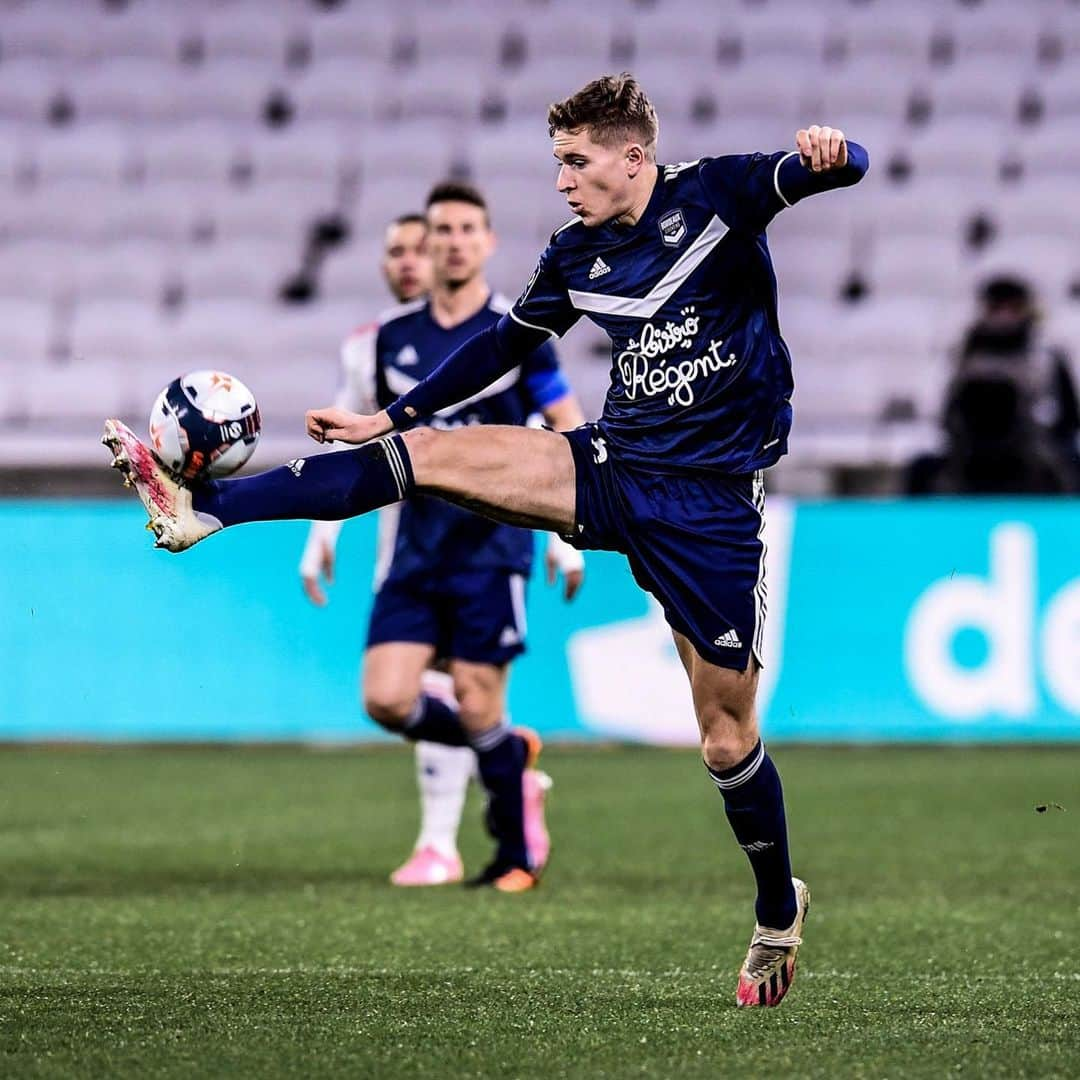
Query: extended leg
[[518, 475]]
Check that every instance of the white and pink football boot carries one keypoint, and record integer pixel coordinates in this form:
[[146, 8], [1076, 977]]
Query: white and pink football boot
[[769, 968], [173, 520], [426, 866]]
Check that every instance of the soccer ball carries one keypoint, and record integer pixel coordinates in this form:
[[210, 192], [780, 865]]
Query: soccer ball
[[204, 424]]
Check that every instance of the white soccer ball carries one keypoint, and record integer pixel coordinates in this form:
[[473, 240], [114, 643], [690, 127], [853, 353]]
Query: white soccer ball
[[204, 424]]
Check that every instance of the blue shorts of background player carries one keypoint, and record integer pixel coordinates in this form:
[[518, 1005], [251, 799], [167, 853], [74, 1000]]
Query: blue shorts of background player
[[476, 615], [693, 540]]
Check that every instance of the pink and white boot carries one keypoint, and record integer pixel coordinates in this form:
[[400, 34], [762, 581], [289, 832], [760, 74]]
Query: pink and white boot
[[426, 866]]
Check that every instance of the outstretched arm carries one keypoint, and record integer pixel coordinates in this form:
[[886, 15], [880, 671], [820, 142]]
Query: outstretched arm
[[749, 190], [466, 371]]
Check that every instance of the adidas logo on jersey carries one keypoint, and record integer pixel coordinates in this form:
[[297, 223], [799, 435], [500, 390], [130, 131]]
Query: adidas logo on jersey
[[407, 357], [509, 637], [599, 269], [730, 640]]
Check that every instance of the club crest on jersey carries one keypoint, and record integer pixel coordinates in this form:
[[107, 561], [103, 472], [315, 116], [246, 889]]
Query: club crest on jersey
[[672, 228]]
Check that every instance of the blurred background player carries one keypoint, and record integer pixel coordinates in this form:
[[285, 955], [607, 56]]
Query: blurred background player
[[1011, 415], [449, 584], [442, 772]]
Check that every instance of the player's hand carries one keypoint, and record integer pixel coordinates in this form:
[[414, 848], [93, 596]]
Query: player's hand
[[821, 148], [560, 557], [312, 576], [339, 425]]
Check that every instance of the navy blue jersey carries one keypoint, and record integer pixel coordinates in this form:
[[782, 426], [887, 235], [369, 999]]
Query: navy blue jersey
[[700, 377], [388, 359]]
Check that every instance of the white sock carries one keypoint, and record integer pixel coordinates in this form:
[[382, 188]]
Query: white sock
[[442, 775]]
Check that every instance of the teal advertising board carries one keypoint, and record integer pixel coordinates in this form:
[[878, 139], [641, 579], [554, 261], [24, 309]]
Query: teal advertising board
[[945, 620]]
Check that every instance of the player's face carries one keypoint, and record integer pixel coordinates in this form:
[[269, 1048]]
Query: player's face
[[406, 263], [460, 241], [592, 177]]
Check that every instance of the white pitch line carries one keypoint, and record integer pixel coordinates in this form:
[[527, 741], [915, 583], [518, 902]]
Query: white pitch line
[[435, 972]]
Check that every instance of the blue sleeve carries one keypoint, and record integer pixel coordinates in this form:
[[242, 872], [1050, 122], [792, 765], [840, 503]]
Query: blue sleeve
[[543, 378], [749, 190], [545, 303], [467, 370]]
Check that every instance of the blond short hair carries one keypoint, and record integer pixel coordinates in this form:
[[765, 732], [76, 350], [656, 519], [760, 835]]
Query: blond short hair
[[613, 109]]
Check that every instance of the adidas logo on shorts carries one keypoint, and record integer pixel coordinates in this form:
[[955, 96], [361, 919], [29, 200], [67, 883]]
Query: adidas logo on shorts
[[730, 640], [599, 269]]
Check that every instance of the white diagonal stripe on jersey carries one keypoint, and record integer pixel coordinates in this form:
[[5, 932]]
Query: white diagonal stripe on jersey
[[647, 306], [399, 383]]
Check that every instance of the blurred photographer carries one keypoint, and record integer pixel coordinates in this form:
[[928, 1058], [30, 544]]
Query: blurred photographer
[[1011, 417]]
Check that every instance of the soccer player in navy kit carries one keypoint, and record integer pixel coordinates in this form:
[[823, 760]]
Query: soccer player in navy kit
[[450, 584], [672, 262]]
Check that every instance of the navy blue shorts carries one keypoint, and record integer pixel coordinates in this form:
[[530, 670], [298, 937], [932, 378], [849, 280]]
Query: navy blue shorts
[[475, 615], [693, 540]]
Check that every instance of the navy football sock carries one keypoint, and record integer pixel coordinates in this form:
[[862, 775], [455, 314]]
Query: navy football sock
[[326, 487], [754, 802], [435, 721], [500, 756]]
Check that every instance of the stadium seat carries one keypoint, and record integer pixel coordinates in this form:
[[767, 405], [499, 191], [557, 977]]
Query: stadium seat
[[101, 153], [128, 270], [336, 34], [283, 209], [352, 275], [966, 149], [895, 36], [435, 90], [124, 330], [309, 153], [87, 390], [1045, 151], [196, 153], [962, 92], [1000, 37], [27, 330], [245, 32], [861, 94], [773, 41], [37, 33], [143, 31], [1031, 208], [778, 105], [252, 270], [340, 89], [205, 335], [900, 267], [27, 86]]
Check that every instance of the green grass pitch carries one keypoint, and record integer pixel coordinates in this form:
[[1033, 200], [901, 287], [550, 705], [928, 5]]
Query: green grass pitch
[[226, 912]]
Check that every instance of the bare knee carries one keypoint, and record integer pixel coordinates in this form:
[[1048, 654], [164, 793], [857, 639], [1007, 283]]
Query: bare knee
[[726, 736], [479, 696], [389, 708], [423, 444]]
